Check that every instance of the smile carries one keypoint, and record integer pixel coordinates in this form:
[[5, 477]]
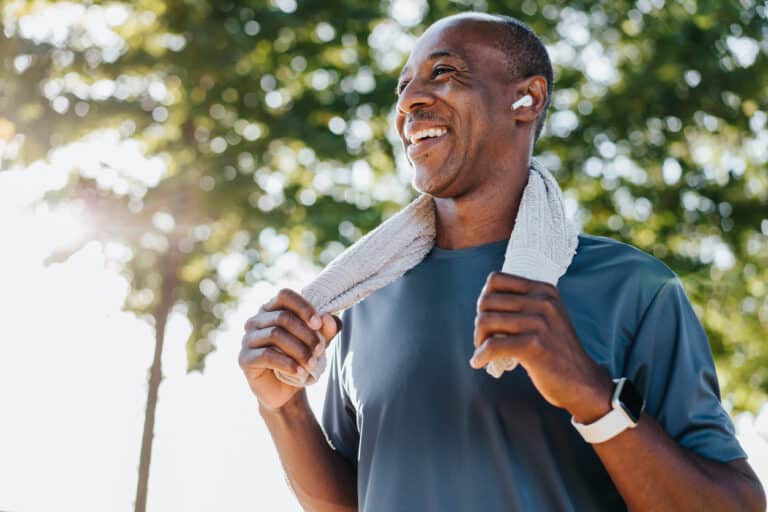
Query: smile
[[429, 133], [424, 141]]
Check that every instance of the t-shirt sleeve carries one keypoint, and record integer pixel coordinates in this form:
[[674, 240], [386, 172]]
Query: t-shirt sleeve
[[339, 420], [671, 363]]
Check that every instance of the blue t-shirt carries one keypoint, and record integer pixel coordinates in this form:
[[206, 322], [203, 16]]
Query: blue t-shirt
[[426, 432]]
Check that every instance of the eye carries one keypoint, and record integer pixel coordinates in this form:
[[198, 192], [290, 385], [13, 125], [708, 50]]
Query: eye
[[437, 71], [440, 70]]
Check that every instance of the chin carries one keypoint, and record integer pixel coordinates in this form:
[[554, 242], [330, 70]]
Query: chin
[[434, 181]]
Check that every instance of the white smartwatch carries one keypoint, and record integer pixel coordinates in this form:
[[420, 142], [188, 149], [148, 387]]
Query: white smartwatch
[[627, 406]]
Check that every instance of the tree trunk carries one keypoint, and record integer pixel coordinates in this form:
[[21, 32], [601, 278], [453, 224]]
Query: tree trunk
[[167, 298]]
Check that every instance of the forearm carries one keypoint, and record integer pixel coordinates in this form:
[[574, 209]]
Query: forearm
[[321, 479], [652, 472]]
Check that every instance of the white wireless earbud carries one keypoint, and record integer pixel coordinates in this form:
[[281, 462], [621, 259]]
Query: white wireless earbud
[[525, 101]]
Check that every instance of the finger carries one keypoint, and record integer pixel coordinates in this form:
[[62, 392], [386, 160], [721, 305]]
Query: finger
[[502, 346], [290, 322], [331, 326], [490, 323], [270, 359], [291, 300], [278, 337], [503, 302], [503, 282]]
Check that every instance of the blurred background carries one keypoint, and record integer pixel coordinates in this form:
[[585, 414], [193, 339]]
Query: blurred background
[[165, 166]]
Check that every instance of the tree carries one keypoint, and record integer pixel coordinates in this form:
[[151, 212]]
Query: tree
[[237, 163]]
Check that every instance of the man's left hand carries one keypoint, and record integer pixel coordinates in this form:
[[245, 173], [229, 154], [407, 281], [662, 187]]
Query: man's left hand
[[526, 320]]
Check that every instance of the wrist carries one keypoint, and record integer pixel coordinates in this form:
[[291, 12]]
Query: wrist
[[595, 401], [627, 405], [294, 406]]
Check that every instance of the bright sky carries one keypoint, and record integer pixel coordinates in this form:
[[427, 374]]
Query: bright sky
[[73, 388]]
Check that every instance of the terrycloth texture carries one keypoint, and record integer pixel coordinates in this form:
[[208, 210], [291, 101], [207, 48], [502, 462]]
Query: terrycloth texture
[[542, 245]]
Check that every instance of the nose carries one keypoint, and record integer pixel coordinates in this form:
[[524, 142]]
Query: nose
[[413, 96]]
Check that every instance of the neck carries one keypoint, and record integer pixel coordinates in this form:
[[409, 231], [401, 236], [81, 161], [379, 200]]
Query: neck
[[484, 214]]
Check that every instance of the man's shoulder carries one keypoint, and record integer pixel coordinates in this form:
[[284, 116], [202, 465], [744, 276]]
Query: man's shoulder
[[602, 251], [606, 259]]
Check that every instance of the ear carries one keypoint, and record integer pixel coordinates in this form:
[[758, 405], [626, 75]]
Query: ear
[[529, 111]]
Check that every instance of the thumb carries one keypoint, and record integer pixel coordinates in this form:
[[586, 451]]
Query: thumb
[[331, 326]]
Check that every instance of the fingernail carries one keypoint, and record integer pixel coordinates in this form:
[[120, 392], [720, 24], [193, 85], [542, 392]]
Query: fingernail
[[318, 349], [315, 322], [312, 363], [301, 373], [473, 362]]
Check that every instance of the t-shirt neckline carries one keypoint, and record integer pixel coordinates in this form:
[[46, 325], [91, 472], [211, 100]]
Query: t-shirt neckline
[[438, 252]]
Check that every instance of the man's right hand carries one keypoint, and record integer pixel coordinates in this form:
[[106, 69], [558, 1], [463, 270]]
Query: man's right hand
[[283, 336]]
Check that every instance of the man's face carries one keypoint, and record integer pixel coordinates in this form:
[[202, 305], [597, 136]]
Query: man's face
[[453, 110]]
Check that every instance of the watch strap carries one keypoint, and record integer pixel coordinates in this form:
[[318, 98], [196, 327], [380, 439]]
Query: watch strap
[[607, 427], [613, 423]]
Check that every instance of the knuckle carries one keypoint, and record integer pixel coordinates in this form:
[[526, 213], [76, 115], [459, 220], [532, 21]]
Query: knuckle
[[274, 332], [242, 359], [283, 317], [284, 294], [533, 344], [549, 305], [270, 356], [254, 321]]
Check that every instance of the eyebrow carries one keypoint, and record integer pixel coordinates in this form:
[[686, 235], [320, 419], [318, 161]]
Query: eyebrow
[[432, 56]]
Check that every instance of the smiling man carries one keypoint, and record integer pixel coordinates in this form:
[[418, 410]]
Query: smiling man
[[615, 403]]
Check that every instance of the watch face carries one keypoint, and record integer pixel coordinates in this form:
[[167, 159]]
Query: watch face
[[631, 401]]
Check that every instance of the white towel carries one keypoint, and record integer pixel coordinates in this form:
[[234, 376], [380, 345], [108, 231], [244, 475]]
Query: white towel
[[542, 245]]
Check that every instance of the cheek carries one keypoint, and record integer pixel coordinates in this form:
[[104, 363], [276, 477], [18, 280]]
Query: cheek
[[399, 123]]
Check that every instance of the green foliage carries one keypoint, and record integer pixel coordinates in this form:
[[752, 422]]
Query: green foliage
[[275, 128]]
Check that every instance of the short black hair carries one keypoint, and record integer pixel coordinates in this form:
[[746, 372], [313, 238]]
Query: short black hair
[[527, 57]]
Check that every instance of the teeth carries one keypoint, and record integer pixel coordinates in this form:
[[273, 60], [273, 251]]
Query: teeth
[[430, 132]]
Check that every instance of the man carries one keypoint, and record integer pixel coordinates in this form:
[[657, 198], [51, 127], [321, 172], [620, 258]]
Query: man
[[411, 423]]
